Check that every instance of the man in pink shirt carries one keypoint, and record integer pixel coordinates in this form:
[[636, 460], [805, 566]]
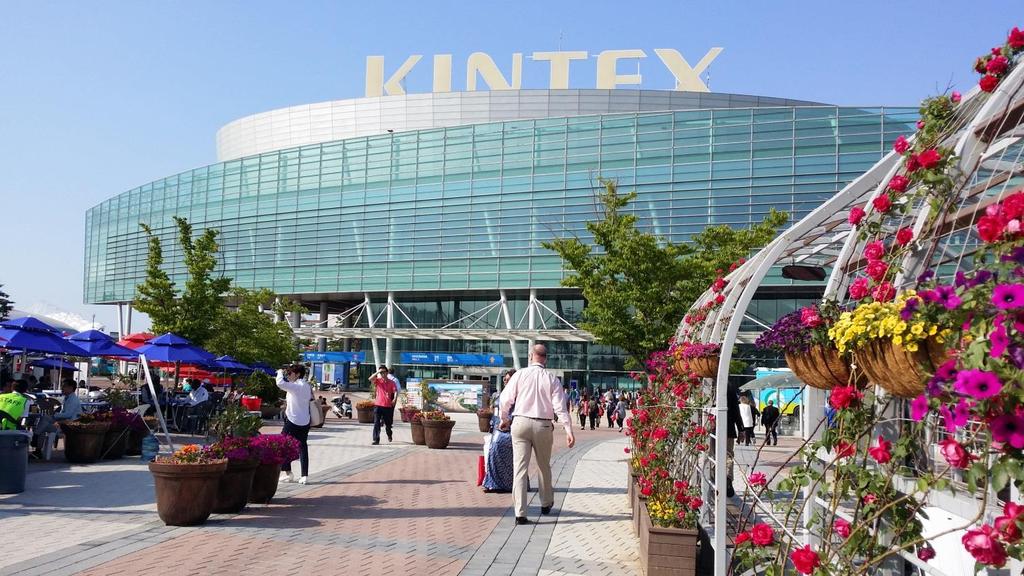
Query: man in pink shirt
[[383, 404], [538, 397]]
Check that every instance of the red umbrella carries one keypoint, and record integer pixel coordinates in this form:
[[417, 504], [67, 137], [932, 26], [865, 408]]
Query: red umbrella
[[136, 340]]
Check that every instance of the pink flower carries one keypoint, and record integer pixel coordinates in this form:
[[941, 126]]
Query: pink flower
[[901, 145], [882, 203], [869, 499], [1007, 524], [860, 288], [904, 236], [984, 545], [856, 215], [876, 270], [919, 408], [899, 183], [874, 250], [762, 534], [978, 384], [884, 292], [809, 317], [997, 65], [881, 452], [988, 83], [741, 538], [842, 528], [955, 454], [1008, 429], [758, 479], [920, 124], [929, 158], [805, 559], [955, 97]]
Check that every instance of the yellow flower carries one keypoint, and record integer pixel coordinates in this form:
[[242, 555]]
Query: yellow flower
[[917, 329], [897, 340], [932, 330], [911, 347]]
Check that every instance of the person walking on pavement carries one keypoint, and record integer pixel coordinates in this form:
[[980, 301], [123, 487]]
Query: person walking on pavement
[[296, 416], [582, 410], [620, 411], [746, 420], [770, 420], [538, 397], [594, 407], [383, 404]]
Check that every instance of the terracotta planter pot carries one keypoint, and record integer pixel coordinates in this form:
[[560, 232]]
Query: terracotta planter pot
[[418, 436], [437, 433], [115, 443], [407, 412], [234, 486], [667, 551], [134, 445], [185, 493], [269, 411], [364, 415], [823, 368], [484, 423], [900, 372], [83, 444], [264, 483]]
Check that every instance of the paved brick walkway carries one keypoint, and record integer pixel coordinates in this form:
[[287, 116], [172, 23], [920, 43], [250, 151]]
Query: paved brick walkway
[[392, 509]]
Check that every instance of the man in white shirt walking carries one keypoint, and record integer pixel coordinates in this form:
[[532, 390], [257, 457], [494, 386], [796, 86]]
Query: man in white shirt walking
[[538, 397]]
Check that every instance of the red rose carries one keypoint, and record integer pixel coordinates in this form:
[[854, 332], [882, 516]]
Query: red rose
[[869, 499], [877, 269], [696, 503], [841, 397], [762, 534], [997, 65], [912, 164], [859, 288], [719, 299], [758, 479], [955, 454], [929, 158], [955, 97], [805, 560], [874, 250], [842, 528], [901, 145], [925, 553], [741, 538], [809, 317], [881, 452], [856, 215], [845, 449], [990, 227], [904, 236], [882, 203], [984, 546], [1016, 38], [1013, 206], [988, 83], [884, 292], [1007, 524], [660, 433], [899, 183]]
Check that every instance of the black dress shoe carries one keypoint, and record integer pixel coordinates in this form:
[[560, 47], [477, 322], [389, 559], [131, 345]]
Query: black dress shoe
[[374, 443], [545, 510], [521, 520]]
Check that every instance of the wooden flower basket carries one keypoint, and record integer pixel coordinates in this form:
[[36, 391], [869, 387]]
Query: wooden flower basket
[[822, 367], [900, 372]]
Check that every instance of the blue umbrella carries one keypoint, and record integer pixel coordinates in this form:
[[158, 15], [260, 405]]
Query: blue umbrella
[[55, 363], [31, 335], [227, 363], [174, 348], [263, 367], [99, 344]]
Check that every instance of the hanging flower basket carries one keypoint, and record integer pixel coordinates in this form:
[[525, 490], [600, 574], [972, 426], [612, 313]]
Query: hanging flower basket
[[705, 366], [822, 367], [900, 372]]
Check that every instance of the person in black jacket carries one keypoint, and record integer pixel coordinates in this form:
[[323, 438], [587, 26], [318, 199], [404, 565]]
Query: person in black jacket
[[770, 421], [733, 424]]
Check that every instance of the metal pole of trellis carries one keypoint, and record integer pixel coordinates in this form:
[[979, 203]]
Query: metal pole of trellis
[[144, 364]]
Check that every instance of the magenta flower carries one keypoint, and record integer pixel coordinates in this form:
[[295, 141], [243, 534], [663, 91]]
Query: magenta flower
[[947, 297], [1008, 296], [978, 384], [955, 419], [919, 408], [1008, 429], [999, 339]]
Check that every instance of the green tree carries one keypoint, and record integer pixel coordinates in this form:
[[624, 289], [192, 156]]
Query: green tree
[[250, 334], [5, 304], [194, 313], [638, 286]]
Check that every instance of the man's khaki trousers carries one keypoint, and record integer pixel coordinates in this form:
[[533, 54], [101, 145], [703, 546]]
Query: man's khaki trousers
[[529, 435]]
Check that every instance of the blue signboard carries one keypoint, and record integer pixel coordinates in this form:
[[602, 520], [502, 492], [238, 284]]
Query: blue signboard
[[452, 359], [359, 357]]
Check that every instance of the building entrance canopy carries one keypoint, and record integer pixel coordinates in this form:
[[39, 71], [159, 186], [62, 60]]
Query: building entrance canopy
[[446, 334]]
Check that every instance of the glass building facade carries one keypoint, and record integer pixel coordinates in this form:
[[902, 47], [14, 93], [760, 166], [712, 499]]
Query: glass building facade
[[446, 217]]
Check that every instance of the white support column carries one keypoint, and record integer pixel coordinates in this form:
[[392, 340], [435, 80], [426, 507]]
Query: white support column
[[389, 341], [373, 341], [532, 317], [120, 320], [321, 343], [128, 324], [511, 341]]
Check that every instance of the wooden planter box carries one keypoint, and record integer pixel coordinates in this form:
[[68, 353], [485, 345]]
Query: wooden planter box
[[667, 551]]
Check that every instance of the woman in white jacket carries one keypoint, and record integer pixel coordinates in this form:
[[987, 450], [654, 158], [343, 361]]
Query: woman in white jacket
[[296, 416]]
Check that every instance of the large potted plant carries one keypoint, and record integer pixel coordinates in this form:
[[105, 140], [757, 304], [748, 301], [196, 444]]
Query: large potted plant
[[138, 428], [406, 411], [483, 417], [234, 486], [364, 411], [186, 485], [83, 438], [263, 386], [437, 429], [235, 421], [273, 450], [115, 441], [416, 427]]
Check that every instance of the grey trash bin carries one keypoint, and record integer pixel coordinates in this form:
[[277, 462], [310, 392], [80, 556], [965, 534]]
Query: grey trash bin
[[14, 446]]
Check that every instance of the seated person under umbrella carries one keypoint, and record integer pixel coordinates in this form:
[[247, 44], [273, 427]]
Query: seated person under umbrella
[[71, 408], [13, 403]]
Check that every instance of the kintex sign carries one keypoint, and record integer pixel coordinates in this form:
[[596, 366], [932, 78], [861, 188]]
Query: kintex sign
[[479, 63]]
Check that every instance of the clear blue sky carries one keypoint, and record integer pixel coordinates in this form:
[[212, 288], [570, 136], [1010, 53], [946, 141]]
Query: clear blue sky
[[99, 97]]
